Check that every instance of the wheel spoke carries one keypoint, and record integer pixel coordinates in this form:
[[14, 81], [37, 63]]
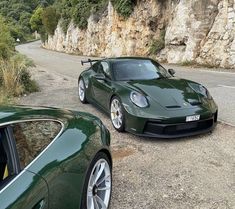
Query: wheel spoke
[[100, 171], [91, 202], [96, 203], [102, 180], [103, 188], [101, 202], [89, 191]]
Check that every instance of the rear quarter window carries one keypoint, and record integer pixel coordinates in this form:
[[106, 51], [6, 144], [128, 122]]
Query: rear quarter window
[[33, 137]]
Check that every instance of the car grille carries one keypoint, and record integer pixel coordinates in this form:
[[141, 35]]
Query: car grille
[[177, 129]]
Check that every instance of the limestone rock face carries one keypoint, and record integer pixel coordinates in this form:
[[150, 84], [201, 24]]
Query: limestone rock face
[[195, 30]]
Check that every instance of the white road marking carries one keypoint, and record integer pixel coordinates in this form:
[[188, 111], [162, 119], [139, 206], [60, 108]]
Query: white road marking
[[219, 72], [224, 86]]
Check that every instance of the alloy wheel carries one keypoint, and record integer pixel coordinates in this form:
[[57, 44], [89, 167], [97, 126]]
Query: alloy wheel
[[81, 90], [99, 186], [116, 113]]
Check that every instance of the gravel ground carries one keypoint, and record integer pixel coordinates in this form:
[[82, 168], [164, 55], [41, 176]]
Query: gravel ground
[[196, 172]]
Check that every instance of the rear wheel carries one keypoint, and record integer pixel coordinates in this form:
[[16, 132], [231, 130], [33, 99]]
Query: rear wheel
[[117, 114], [82, 91], [98, 184]]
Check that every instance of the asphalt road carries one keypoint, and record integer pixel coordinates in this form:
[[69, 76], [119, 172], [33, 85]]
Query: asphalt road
[[190, 173], [220, 84]]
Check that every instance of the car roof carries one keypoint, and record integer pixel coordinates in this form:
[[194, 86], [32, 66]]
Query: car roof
[[18, 113]]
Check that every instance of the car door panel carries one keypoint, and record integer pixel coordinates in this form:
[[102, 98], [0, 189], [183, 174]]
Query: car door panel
[[102, 88], [25, 191]]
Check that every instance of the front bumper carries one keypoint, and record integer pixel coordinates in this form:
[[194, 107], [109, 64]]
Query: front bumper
[[163, 129]]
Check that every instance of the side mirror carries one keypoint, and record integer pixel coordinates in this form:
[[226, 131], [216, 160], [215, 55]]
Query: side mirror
[[171, 71], [100, 77]]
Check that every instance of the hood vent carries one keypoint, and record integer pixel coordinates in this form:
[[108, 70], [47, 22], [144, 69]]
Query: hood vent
[[173, 106]]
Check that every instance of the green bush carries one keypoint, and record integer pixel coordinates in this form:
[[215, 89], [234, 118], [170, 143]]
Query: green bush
[[124, 7], [5, 51], [158, 44]]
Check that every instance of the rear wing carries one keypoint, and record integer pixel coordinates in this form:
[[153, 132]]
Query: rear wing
[[88, 61]]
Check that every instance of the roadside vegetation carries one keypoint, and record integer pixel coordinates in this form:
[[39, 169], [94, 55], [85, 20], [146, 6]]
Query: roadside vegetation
[[15, 78], [17, 14], [45, 19], [158, 44]]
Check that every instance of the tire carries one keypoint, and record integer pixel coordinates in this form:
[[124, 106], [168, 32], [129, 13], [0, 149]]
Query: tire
[[117, 114], [82, 91], [95, 193]]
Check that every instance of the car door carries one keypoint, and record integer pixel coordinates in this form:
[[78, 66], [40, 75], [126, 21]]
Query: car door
[[102, 88], [19, 188]]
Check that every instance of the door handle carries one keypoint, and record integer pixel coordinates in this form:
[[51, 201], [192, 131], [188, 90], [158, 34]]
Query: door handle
[[39, 205]]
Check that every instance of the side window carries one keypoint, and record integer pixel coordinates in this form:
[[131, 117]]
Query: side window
[[3, 158], [96, 67], [105, 69], [7, 170], [33, 137]]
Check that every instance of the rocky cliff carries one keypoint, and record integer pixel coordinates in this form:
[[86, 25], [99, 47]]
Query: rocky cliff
[[176, 31]]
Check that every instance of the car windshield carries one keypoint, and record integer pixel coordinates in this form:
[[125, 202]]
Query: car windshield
[[126, 70]]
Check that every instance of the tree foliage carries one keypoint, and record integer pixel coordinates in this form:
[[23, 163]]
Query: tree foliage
[[50, 19], [18, 13], [124, 7], [36, 20], [6, 41]]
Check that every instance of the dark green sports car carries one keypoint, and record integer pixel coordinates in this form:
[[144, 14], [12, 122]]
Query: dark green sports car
[[143, 98], [53, 159]]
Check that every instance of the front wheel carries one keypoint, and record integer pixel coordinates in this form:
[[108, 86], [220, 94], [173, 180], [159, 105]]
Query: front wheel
[[117, 114], [82, 91], [98, 184]]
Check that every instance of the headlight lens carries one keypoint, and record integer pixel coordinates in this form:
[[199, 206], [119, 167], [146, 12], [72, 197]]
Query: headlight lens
[[138, 99], [201, 90]]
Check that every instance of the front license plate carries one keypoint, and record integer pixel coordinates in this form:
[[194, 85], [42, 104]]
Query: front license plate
[[192, 118]]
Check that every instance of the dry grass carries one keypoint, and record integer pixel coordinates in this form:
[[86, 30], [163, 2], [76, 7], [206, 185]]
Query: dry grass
[[10, 76], [15, 78]]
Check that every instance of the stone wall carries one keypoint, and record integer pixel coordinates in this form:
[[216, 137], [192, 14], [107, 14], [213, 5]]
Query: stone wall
[[195, 30]]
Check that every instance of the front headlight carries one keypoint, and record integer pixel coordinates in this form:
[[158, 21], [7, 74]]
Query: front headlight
[[138, 99], [201, 90]]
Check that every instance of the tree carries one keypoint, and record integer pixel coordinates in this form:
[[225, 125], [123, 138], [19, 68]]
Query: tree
[[50, 19], [36, 20], [6, 41]]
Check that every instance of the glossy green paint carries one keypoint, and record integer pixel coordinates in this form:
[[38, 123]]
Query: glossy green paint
[[160, 93], [59, 173]]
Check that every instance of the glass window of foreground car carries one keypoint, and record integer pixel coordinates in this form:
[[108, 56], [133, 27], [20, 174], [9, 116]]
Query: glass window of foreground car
[[3, 159], [33, 137], [7, 170], [138, 70]]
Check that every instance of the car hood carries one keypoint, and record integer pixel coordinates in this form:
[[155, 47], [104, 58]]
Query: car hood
[[169, 92]]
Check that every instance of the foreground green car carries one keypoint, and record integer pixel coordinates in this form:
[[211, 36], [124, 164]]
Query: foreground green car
[[145, 99], [53, 159]]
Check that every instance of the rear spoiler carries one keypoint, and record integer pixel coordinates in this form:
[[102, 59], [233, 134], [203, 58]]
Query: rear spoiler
[[88, 61]]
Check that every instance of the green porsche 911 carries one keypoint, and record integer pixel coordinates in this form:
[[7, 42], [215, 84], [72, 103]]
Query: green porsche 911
[[53, 159], [143, 98]]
